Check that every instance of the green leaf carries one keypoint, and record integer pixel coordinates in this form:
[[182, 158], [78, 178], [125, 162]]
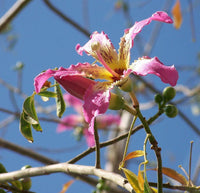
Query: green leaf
[[29, 119], [2, 168], [48, 94], [25, 128], [17, 184], [60, 103], [29, 113], [147, 188], [29, 109], [132, 179]]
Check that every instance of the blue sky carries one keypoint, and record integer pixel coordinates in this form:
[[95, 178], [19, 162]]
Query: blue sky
[[45, 41]]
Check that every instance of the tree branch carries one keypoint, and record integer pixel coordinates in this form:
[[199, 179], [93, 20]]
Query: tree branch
[[68, 169], [12, 12], [66, 18]]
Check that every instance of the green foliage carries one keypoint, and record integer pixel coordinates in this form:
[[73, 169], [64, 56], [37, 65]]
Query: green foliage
[[60, 103], [29, 118]]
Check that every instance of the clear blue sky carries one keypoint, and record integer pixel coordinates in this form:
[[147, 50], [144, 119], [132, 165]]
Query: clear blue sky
[[45, 41]]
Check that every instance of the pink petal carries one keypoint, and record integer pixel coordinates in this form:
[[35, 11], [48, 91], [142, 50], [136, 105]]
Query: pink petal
[[42, 78], [89, 138], [92, 71], [145, 65], [62, 75], [105, 121], [96, 102], [68, 122], [137, 27], [104, 47], [75, 85], [74, 102]]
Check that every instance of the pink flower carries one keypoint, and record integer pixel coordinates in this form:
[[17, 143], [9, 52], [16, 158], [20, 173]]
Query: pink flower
[[115, 69], [77, 120]]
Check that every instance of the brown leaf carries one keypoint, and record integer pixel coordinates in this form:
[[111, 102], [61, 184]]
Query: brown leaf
[[177, 16], [134, 154], [66, 186], [174, 175]]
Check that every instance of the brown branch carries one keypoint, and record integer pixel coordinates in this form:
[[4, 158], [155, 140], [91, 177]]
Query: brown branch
[[12, 12], [66, 18], [182, 188]]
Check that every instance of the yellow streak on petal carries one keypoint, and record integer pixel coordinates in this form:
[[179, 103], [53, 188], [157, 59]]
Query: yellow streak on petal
[[124, 54]]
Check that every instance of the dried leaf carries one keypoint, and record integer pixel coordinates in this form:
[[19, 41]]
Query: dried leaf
[[134, 154], [66, 186], [174, 175], [177, 16]]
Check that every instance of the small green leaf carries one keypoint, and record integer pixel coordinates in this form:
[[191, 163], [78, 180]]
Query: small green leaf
[[147, 188], [37, 127], [2, 168], [60, 103], [132, 179], [48, 94], [29, 109], [25, 128], [29, 119], [29, 113]]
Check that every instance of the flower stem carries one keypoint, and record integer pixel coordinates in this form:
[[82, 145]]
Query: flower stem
[[155, 147], [145, 156], [127, 141], [151, 138], [97, 147]]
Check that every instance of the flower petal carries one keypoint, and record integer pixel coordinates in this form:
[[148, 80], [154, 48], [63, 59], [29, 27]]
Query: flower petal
[[96, 102], [91, 71], [74, 102], [104, 121], [127, 40], [68, 122], [42, 78], [145, 65], [89, 138], [76, 85], [100, 43]]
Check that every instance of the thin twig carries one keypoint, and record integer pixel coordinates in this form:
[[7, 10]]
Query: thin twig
[[12, 12], [180, 113], [97, 146], [66, 18], [182, 188], [114, 140]]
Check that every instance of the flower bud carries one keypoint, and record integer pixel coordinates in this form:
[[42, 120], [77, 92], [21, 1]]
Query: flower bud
[[26, 183], [169, 93], [127, 85], [171, 111], [116, 102], [158, 98]]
